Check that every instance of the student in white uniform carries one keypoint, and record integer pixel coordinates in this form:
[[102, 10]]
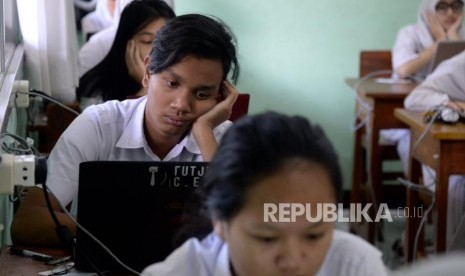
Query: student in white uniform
[[106, 14], [278, 159], [182, 117], [438, 20], [445, 86], [97, 47], [119, 75]]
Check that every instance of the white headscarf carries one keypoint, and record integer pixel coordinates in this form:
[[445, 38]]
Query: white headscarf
[[414, 39], [426, 39]]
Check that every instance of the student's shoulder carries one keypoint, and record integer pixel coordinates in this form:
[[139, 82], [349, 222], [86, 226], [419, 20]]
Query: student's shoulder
[[411, 31], [221, 128], [114, 112], [344, 242], [351, 255], [104, 36], [193, 258], [115, 106]]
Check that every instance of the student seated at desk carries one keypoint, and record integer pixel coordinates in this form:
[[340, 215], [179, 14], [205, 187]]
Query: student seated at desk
[[119, 75], [413, 51], [182, 117], [277, 159], [415, 45], [445, 86], [98, 46]]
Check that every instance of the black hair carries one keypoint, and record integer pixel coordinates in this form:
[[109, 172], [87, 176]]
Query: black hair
[[255, 147], [197, 35], [110, 78]]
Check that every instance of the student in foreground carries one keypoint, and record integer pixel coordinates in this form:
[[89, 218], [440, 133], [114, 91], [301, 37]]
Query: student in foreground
[[184, 114], [271, 158]]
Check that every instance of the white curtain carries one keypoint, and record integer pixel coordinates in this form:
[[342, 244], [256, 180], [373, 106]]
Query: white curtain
[[51, 49]]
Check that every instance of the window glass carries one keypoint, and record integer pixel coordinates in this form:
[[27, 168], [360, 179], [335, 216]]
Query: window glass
[[9, 31]]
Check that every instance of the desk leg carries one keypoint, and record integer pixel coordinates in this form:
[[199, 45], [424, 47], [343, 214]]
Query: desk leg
[[357, 170], [358, 179], [442, 189], [374, 191], [413, 202], [358, 166]]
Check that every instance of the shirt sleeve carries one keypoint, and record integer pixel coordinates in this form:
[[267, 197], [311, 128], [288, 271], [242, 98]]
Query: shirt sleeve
[[349, 255], [80, 142], [446, 83], [194, 257], [95, 50], [405, 48], [220, 130], [424, 98]]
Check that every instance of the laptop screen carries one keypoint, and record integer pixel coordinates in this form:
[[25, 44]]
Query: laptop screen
[[446, 50], [133, 208]]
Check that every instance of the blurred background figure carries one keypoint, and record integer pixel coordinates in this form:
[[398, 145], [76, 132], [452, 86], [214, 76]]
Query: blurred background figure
[[119, 75], [101, 14], [102, 17], [97, 15], [98, 46]]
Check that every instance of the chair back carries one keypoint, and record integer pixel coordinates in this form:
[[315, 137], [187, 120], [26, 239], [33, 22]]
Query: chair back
[[375, 60], [240, 107], [58, 119]]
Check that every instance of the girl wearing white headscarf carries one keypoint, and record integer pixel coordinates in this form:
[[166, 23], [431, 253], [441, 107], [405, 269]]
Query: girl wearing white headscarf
[[438, 20]]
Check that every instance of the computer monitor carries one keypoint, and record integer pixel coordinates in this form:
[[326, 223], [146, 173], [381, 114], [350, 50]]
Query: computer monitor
[[134, 208]]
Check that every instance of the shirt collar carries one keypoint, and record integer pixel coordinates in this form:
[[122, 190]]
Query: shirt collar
[[190, 143], [134, 137], [222, 267], [133, 134]]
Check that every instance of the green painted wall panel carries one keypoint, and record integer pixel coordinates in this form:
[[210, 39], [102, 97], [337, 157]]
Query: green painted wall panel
[[295, 54]]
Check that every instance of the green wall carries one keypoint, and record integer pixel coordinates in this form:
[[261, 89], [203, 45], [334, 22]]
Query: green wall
[[295, 54]]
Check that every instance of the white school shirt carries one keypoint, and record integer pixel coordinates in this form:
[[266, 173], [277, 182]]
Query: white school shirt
[[446, 83], [113, 130], [348, 255], [95, 50], [98, 19]]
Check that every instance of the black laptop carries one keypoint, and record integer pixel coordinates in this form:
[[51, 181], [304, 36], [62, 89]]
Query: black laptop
[[134, 208], [446, 50]]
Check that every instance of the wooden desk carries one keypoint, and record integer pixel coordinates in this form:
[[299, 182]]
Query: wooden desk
[[443, 149], [25, 266], [383, 99], [19, 265]]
